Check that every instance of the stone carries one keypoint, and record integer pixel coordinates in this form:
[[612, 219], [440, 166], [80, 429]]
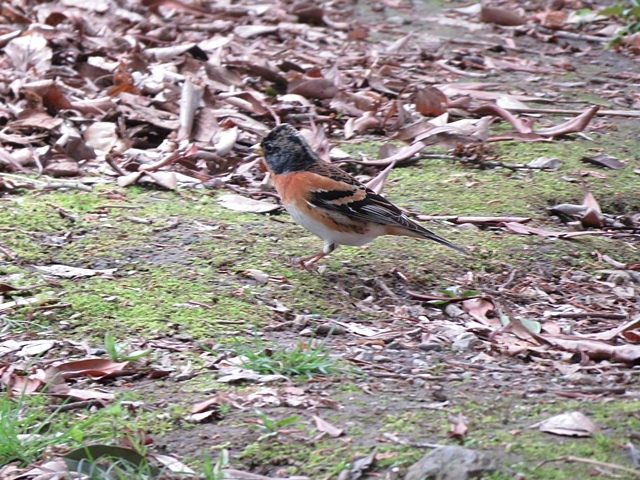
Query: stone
[[451, 462]]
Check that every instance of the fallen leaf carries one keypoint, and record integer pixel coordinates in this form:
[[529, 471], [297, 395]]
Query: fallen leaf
[[549, 163], [572, 424], [458, 429], [29, 51], [326, 427], [239, 203], [431, 101], [66, 271], [478, 308], [93, 367], [101, 136], [604, 160], [501, 16], [317, 88]]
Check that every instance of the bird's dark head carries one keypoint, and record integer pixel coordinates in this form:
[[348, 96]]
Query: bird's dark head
[[285, 150]]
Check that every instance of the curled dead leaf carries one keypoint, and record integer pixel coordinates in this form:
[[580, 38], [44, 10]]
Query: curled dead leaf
[[318, 88], [573, 424], [431, 101], [501, 16]]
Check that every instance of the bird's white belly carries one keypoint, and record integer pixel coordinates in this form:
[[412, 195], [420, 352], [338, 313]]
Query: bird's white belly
[[330, 235]]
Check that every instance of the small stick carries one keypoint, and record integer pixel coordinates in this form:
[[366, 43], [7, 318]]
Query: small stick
[[133, 219], [53, 307], [120, 206], [58, 185], [570, 458], [608, 316]]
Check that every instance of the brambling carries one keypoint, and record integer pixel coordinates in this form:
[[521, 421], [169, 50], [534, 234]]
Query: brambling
[[328, 201]]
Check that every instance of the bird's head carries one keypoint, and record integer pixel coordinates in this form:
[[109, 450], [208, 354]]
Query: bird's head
[[285, 150]]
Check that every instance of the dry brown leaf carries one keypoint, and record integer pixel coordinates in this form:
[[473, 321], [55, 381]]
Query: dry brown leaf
[[501, 16], [326, 427], [101, 136], [478, 308], [377, 183], [529, 230], [459, 428], [317, 88], [35, 119], [594, 349], [52, 97], [77, 394], [167, 180], [431, 101], [575, 125], [95, 368]]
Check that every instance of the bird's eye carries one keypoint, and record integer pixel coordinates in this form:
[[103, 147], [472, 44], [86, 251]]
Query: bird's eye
[[268, 148]]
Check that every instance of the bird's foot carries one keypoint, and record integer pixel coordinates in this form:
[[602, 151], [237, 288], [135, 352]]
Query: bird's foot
[[309, 262]]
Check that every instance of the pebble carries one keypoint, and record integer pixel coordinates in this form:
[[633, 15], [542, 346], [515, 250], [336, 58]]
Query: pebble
[[468, 226], [364, 356], [453, 311], [582, 379], [381, 359], [464, 342], [430, 347], [418, 382], [330, 329], [396, 345]]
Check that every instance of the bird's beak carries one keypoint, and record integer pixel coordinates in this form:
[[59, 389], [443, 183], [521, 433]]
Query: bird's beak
[[257, 149]]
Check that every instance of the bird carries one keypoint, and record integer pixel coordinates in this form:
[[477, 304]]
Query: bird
[[329, 202]]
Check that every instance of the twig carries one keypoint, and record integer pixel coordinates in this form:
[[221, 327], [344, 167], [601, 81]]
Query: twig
[[475, 220], [10, 254], [78, 405], [399, 441], [23, 303], [510, 166], [591, 391], [53, 307], [112, 163], [58, 185], [132, 207], [589, 461], [613, 262], [560, 111], [440, 298], [24, 179], [510, 279], [168, 226], [444, 65], [144, 221], [606, 315], [572, 36], [385, 288]]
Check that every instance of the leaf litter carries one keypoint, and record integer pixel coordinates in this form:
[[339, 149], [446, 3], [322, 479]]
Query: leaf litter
[[175, 94]]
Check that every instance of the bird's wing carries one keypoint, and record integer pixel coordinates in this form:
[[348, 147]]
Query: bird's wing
[[338, 191]]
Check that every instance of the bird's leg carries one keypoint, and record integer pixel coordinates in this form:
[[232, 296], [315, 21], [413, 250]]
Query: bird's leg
[[309, 261]]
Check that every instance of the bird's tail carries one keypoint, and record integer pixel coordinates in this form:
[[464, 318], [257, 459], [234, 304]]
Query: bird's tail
[[436, 238], [412, 229]]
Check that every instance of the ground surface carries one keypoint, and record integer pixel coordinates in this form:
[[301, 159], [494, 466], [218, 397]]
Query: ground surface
[[195, 282]]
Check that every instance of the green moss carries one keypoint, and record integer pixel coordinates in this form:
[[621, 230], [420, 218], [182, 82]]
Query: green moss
[[195, 282]]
